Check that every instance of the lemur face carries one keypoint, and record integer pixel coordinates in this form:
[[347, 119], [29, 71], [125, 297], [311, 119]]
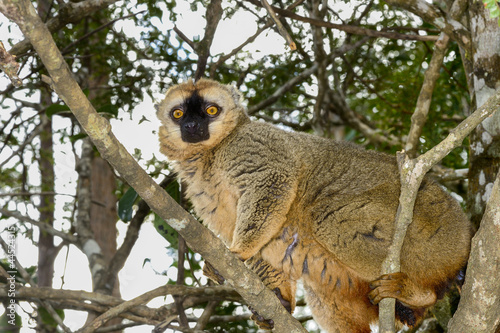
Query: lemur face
[[197, 115]]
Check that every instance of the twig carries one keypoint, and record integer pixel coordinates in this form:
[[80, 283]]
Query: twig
[[10, 66], [68, 47], [284, 88], [419, 116], [279, 25], [184, 38], [431, 14], [20, 149], [43, 226], [28, 279]]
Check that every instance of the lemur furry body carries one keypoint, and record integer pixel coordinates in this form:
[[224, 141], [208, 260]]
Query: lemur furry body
[[297, 206]]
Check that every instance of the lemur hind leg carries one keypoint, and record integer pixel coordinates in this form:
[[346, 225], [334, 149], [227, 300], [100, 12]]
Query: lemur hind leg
[[337, 296], [340, 313]]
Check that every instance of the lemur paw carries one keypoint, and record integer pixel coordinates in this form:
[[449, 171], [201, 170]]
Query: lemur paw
[[401, 287], [210, 272], [389, 285], [268, 324], [264, 324]]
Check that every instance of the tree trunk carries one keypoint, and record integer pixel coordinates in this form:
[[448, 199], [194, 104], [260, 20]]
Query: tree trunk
[[46, 250], [485, 78], [479, 308]]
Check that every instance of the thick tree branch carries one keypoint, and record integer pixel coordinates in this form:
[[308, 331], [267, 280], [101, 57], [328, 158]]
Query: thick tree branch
[[225, 57], [481, 288], [98, 128]]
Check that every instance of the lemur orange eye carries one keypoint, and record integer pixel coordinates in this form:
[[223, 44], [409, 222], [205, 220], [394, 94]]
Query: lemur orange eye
[[177, 114], [212, 110]]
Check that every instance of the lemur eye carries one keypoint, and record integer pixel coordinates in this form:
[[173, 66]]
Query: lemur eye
[[212, 110], [177, 114]]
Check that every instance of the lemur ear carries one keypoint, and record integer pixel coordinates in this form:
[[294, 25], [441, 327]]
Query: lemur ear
[[157, 107], [235, 93]]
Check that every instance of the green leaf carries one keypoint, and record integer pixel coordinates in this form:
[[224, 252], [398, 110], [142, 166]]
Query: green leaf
[[125, 205], [56, 108], [76, 137], [109, 109], [174, 191], [166, 231], [10, 322], [47, 317], [143, 119]]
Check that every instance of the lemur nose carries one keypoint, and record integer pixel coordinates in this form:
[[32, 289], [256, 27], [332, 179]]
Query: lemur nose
[[191, 127]]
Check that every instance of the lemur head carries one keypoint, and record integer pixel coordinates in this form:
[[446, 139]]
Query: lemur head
[[196, 116]]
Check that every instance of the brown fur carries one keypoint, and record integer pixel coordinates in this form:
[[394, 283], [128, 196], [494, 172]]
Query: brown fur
[[296, 206]]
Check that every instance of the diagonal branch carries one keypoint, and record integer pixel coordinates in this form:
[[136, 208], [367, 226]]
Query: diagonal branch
[[419, 117], [279, 25], [284, 88], [199, 238]]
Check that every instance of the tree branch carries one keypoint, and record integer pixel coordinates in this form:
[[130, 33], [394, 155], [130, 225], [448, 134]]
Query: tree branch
[[351, 29], [79, 300], [9, 65], [43, 226], [214, 14], [419, 117], [434, 16], [279, 25], [29, 280], [199, 238], [283, 89], [70, 12]]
